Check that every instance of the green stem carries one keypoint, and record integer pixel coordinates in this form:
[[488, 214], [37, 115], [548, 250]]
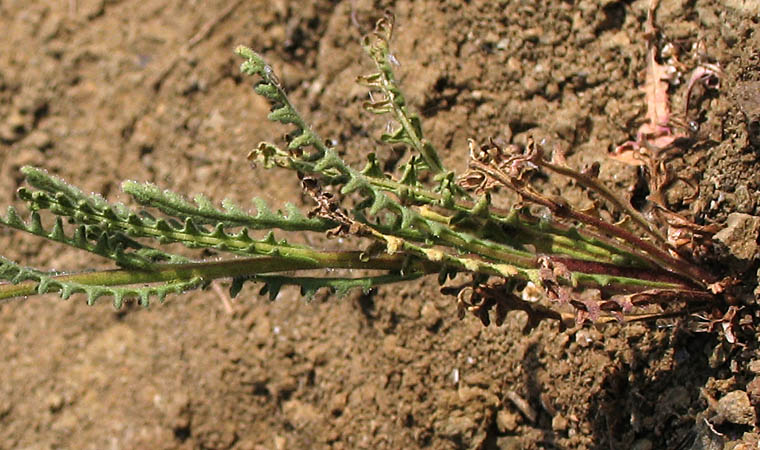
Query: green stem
[[430, 261], [211, 270], [378, 50], [550, 238]]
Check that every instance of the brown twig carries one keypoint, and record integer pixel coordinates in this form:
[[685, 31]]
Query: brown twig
[[594, 185], [677, 265]]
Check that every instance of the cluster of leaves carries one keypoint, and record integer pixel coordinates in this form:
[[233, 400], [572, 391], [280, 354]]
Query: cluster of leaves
[[422, 220]]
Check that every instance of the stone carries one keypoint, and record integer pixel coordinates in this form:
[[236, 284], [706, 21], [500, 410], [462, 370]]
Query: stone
[[740, 235], [55, 402], [559, 423], [300, 414], [735, 408], [506, 421], [39, 140], [13, 128]]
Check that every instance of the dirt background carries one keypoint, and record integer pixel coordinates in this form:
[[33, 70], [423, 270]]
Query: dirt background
[[99, 91]]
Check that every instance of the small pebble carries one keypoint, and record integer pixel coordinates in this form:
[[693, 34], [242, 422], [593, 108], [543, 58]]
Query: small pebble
[[13, 128], [740, 235], [506, 421], [735, 407], [55, 402], [430, 315], [559, 423], [39, 139]]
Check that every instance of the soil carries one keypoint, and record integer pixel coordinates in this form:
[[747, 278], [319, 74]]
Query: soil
[[98, 91]]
